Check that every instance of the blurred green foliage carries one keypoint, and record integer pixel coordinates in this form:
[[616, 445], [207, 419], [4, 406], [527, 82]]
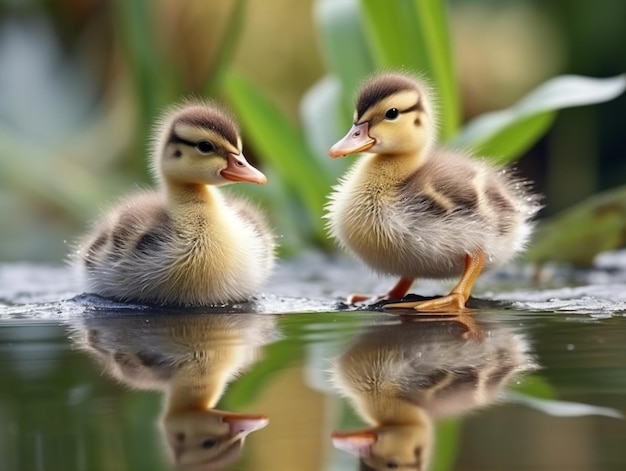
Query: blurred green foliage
[[88, 79], [575, 236]]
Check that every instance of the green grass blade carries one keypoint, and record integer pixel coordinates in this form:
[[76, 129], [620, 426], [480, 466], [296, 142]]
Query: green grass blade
[[413, 35], [227, 49], [153, 81], [344, 44], [395, 35], [281, 146], [146, 62], [503, 134], [433, 21], [322, 127], [446, 445]]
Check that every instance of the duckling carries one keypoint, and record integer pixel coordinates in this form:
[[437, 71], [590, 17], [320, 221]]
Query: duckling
[[191, 359], [412, 209], [186, 243], [401, 378]]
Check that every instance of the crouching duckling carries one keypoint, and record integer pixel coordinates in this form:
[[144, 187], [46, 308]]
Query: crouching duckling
[[403, 377], [186, 243], [412, 209]]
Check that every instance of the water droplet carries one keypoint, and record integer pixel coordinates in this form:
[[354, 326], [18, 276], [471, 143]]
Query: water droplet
[[570, 346]]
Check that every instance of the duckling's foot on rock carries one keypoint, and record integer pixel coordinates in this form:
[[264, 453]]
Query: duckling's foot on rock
[[398, 291], [453, 302]]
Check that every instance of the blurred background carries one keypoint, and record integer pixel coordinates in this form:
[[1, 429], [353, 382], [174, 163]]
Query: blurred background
[[81, 81]]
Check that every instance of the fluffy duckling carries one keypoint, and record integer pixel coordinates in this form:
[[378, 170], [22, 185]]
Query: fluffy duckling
[[191, 359], [412, 209], [186, 243], [403, 377]]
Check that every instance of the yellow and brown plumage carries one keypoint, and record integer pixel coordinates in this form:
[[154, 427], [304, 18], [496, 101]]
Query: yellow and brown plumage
[[403, 378], [191, 358], [415, 210], [186, 243]]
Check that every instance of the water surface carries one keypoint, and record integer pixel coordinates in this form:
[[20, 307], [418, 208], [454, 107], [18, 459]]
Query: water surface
[[533, 380]]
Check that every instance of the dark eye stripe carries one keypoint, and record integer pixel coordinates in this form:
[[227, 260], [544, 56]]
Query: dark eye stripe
[[179, 140]]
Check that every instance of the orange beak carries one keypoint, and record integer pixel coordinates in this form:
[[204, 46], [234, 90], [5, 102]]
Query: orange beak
[[356, 443], [357, 140], [242, 425], [239, 170]]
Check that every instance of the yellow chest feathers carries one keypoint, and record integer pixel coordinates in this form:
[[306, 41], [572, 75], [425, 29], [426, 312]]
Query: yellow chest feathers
[[214, 245], [363, 211]]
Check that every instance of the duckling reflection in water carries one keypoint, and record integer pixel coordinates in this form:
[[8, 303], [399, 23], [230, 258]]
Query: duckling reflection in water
[[191, 358], [414, 210], [400, 378], [187, 243]]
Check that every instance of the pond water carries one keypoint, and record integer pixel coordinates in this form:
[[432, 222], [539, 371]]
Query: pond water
[[533, 379]]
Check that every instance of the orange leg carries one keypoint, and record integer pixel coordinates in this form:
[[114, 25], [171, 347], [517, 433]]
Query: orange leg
[[398, 291], [474, 330], [455, 301]]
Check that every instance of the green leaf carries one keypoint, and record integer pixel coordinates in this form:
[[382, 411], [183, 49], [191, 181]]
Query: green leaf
[[139, 41], [434, 23], [563, 408], [501, 134], [446, 445], [321, 126], [413, 34], [395, 35], [577, 235], [228, 46], [534, 385], [281, 146], [506, 146], [344, 44], [153, 81], [278, 357]]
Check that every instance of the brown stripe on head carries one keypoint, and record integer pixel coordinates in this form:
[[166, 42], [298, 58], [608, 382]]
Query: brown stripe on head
[[380, 87], [208, 116]]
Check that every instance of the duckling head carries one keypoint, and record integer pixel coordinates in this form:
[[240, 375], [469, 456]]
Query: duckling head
[[210, 439], [399, 446], [394, 116], [200, 144]]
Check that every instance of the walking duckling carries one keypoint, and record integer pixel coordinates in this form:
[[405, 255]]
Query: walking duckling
[[186, 243], [415, 210]]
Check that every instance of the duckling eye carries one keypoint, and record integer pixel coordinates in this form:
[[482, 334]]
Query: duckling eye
[[392, 464], [392, 114], [204, 147], [208, 443]]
